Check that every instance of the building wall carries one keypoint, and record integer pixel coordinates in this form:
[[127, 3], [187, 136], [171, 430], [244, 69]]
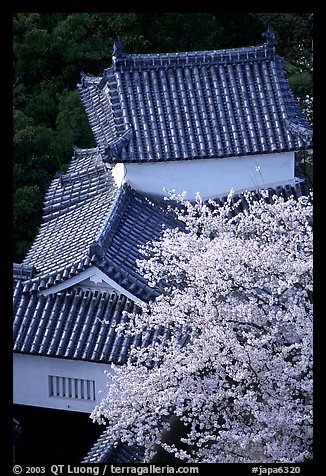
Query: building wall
[[58, 383], [210, 177]]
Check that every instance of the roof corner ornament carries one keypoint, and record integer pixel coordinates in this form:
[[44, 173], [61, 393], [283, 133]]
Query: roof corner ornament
[[24, 271], [96, 250], [270, 36], [114, 149], [83, 77], [76, 151], [59, 176], [305, 134], [117, 48]]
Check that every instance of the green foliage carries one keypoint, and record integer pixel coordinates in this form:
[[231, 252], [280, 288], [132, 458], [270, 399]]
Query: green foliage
[[27, 208], [50, 50], [72, 122], [299, 79], [294, 40], [169, 32]]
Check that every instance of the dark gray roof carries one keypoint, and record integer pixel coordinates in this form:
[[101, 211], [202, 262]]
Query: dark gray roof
[[89, 221], [104, 451], [74, 323], [77, 323], [70, 323], [76, 208], [130, 222], [204, 104], [134, 221]]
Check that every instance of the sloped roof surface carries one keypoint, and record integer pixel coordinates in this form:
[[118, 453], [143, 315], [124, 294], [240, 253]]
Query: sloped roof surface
[[204, 104], [104, 452], [75, 324], [76, 207], [135, 221], [88, 221]]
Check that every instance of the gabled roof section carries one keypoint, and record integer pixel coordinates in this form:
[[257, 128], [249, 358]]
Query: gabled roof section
[[89, 222], [191, 105], [101, 102], [76, 208]]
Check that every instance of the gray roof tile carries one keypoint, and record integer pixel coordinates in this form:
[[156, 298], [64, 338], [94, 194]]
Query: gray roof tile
[[200, 104], [135, 221], [74, 323], [76, 207], [103, 451], [23, 271]]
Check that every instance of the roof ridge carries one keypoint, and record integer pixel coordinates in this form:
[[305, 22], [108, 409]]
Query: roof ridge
[[114, 147], [86, 79], [265, 49], [69, 176], [184, 58], [120, 203], [296, 123], [82, 151], [93, 93]]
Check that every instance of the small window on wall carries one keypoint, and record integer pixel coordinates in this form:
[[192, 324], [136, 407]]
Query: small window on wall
[[74, 388]]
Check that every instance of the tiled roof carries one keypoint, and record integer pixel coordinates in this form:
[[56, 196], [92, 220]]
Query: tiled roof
[[74, 324], [134, 222], [105, 231], [79, 323], [204, 104], [105, 452], [88, 221], [76, 207], [69, 323]]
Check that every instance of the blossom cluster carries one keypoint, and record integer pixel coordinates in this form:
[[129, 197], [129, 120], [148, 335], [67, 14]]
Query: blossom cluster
[[307, 106], [226, 348]]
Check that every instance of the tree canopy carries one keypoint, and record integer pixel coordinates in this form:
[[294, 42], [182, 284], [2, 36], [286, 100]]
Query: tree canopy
[[51, 49], [231, 370]]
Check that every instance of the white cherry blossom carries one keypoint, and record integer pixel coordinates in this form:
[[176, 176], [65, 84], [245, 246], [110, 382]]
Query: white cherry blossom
[[232, 360]]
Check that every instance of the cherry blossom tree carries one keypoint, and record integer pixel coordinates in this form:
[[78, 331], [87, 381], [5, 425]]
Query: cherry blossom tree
[[230, 363]]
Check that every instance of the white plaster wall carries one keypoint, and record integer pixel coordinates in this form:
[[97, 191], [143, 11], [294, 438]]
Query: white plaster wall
[[31, 377], [210, 177]]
